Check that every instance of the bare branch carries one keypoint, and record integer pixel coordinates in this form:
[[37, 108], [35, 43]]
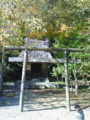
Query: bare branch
[[55, 17], [80, 67]]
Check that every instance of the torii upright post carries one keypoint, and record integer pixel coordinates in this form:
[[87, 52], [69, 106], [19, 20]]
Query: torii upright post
[[23, 81], [67, 81], [2, 71]]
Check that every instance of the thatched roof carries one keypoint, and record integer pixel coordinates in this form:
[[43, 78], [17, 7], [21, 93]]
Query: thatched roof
[[37, 44]]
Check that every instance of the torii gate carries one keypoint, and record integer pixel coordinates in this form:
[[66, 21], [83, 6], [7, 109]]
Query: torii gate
[[65, 61]]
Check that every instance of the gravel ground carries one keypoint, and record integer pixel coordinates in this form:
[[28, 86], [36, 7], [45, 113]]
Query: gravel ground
[[36, 107]]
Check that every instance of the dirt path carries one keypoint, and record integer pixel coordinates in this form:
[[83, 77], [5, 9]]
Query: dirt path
[[38, 105]]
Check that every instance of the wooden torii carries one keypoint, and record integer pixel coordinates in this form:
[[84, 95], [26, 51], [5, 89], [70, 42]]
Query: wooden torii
[[25, 59]]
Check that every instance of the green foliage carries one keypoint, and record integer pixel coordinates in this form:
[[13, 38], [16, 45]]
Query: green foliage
[[10, 95], [59, 70], [33, 18], [11, 70], [87, 89]]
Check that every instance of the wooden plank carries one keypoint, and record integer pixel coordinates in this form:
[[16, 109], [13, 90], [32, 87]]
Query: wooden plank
[[44, 49], [74, 61], [51, 60], [40, 60], [15, 59]]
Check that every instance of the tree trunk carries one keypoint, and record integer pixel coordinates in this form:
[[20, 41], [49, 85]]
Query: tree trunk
[[76, 81], [76, 87]]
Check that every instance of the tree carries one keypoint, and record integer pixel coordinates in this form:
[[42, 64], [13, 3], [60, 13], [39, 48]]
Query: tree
[[20, 18], [58, 70]]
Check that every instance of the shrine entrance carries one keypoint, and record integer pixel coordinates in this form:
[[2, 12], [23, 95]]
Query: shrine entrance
[[64, 60], [36, 70]]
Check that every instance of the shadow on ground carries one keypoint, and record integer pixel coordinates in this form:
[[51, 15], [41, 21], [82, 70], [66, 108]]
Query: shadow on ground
[[35, 100]]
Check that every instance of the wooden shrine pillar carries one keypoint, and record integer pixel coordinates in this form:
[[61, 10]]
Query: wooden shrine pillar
[[67, 81], [23, 80], [2, 71]]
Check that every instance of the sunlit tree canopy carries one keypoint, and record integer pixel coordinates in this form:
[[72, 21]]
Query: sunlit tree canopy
[[54, 19]]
